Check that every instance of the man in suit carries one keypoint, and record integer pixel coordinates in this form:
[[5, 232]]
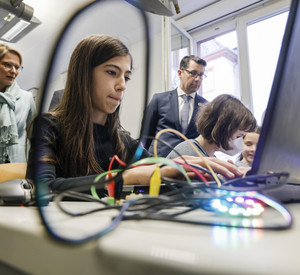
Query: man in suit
[[166, 110]]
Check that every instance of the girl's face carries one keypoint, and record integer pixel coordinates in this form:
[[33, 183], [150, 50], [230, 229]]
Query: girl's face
[[250, 142], [108, 86]]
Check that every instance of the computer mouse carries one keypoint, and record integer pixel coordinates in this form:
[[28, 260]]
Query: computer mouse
[[16, 192]]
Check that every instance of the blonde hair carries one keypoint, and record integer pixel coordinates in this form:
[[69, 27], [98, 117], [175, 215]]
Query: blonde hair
[[4, 49]]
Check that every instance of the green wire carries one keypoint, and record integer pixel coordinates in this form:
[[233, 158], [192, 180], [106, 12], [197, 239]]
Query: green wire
[[150, 160], [93, 188]]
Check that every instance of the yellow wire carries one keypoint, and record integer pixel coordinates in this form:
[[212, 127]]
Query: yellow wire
[[191, 144], [165, 161]]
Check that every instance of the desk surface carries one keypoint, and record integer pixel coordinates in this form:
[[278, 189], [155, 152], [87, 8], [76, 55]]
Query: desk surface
[[145, 247]]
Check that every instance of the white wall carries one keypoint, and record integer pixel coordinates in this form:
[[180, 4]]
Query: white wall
[[132, 105]]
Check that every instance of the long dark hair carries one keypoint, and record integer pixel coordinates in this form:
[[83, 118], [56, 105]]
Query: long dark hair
[[219, 119], [74, 113]]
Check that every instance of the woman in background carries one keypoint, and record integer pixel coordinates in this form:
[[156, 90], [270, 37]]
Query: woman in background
[[17, 108], [221, 124]]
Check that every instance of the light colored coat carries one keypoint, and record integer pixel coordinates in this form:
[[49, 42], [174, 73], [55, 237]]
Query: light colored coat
[[25, 110]]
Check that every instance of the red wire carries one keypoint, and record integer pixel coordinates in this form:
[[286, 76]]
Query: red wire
[[194, 170], [111, 185]]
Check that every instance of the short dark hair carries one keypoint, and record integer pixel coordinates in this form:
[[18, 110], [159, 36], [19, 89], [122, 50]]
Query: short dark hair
[[219, 119], [185, 61]]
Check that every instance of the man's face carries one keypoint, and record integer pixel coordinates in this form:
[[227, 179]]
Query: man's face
[[188, 83]]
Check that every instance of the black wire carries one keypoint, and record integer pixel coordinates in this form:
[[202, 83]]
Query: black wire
[[200, 203], [175, 197], [193, 201], [155, 208]]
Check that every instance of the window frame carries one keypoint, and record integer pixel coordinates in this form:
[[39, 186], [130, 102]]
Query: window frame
[[239, 23], [167, 40]]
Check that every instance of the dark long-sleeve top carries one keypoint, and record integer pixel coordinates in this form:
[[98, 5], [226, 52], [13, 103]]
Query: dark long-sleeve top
[[46, 138]]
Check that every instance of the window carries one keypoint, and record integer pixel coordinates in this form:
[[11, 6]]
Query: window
[[222, 72], [264, 47], [242, 53], [180, 47]]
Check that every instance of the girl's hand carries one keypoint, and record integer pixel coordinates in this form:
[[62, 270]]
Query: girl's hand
[[141, 175]]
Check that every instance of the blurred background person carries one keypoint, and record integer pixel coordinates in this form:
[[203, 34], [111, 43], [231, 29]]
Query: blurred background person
[[17, 108], [250, 141]]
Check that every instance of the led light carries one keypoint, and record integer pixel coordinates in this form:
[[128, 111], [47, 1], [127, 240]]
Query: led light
[[257, 204], [237, 204], [247, 212], [223, 208], [239, 199], [249, 201], [229, 199], [216, 203]]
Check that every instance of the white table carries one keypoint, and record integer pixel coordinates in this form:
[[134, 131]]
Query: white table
[[149, 247]]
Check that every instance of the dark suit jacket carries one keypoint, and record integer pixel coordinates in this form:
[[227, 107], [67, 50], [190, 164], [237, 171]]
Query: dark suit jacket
[[57, 95], [162, 112]]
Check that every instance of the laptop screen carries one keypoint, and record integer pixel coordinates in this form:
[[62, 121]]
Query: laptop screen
[[278, 148]]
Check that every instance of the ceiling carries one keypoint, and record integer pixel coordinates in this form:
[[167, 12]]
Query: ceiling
[[37, 45], [188, 7]]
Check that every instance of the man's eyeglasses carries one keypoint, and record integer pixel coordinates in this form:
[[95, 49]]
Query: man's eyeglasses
[[194, 74], [8, 66]]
